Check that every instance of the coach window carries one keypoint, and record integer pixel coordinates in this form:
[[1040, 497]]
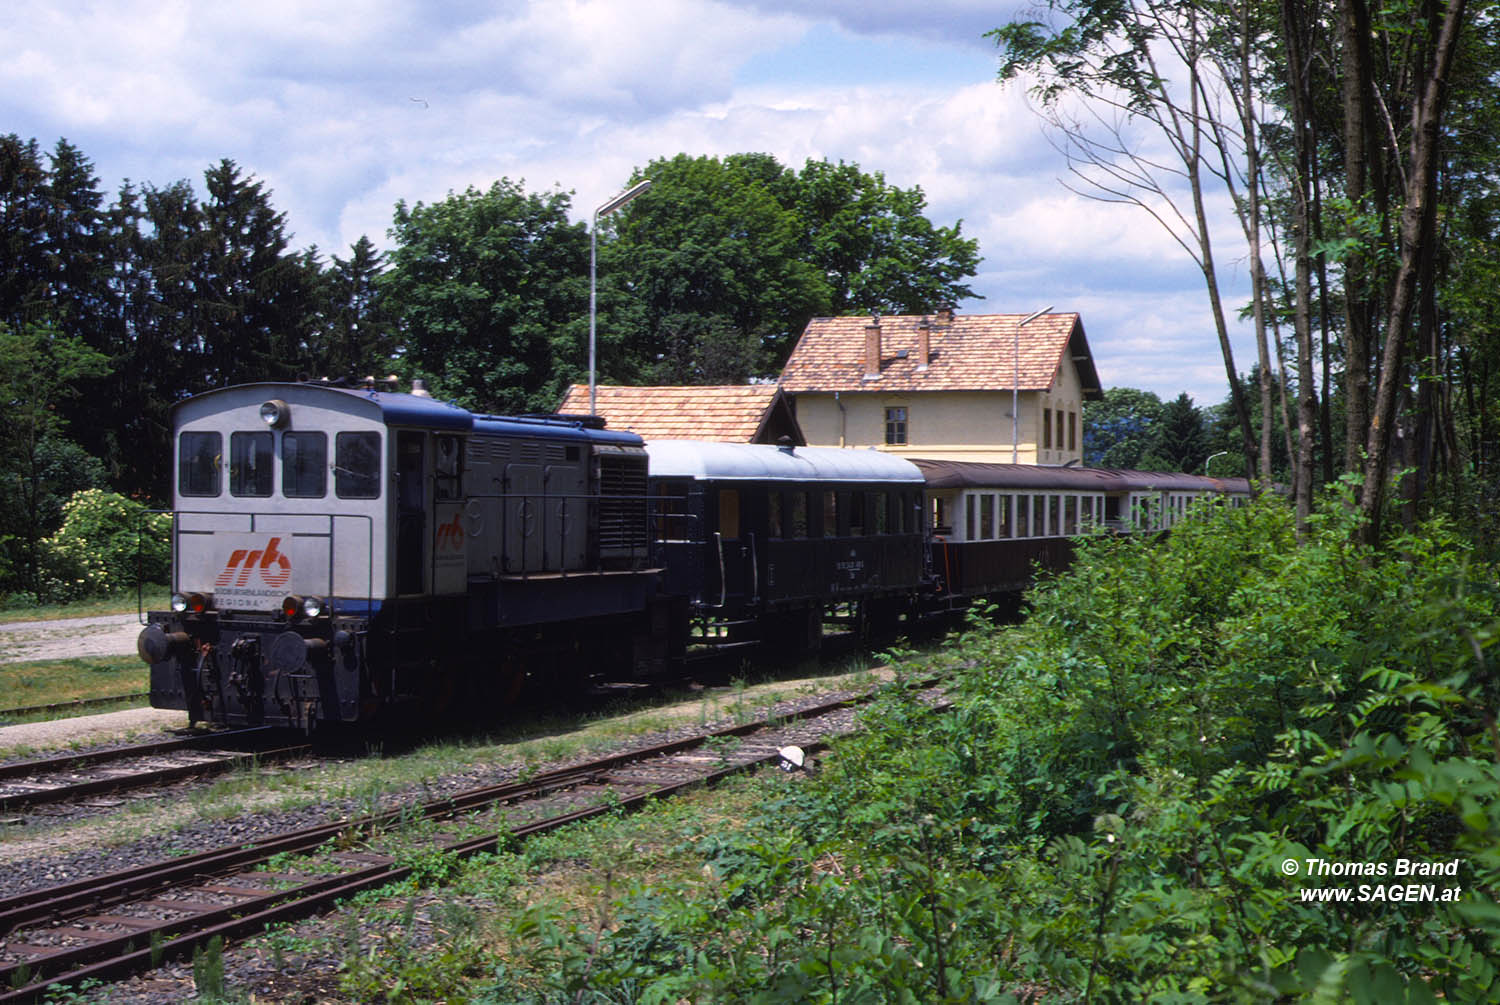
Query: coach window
[[987, 517], [356, 466], [882, 512], [304, 465], [852, 505], [1070, 514], [1054, 525], [729, 513], [830, 513], [250, 464], [1038, 516], [798, 516], [773, 514], [1002, 515], [971, 518]]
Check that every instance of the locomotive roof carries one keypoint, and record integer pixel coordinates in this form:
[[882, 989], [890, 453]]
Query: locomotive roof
[[401, 409], [706, 461], [972, 474]]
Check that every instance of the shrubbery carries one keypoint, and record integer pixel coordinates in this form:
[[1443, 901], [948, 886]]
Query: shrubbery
[[106, 544], [1106, 814]]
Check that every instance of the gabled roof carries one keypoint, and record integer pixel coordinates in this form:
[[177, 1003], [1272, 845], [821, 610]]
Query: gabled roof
[[968, 353], [752, 413]]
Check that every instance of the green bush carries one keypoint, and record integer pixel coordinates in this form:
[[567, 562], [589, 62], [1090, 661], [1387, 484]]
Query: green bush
[[1108, 811], [107, 544]]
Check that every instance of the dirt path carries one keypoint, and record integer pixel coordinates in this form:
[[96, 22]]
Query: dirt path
[[106, 635]]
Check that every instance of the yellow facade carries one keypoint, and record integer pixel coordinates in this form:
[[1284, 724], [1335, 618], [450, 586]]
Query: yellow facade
[[953, 425]]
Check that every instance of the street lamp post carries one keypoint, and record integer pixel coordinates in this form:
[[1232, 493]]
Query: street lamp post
[[604, 210], [1211, 457]]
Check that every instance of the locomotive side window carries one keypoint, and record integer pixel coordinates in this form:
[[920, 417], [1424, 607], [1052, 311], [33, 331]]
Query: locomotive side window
[[198, 464], [304, 465], [449, 467], [250, 464], [356, 466]]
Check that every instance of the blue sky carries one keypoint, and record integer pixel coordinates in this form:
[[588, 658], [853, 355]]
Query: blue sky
[[317, 101]]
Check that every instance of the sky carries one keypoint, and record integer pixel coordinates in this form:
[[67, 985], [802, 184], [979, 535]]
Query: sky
[[343, 109]]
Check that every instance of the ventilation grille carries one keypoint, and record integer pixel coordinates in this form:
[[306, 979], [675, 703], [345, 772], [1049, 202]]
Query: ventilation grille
[[622, 504]]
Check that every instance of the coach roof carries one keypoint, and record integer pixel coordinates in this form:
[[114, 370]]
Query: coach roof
[[705, 461]]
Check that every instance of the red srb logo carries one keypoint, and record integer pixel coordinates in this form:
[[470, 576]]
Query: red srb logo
[[450, 535], [237, 570]]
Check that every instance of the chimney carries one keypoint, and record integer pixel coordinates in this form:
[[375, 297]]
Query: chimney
[[924, 342], [872, 347], [945, 314]]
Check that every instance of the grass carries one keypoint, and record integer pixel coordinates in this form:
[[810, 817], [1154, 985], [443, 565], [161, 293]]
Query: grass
[[49, 682], [154, 598]]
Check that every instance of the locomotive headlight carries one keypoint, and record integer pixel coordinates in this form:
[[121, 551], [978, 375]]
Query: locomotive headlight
[[191, 603], [275, 413], [312, 606]]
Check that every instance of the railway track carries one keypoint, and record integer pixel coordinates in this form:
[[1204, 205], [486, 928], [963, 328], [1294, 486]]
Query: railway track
[[72, 706], [28, 784], [106, 927]]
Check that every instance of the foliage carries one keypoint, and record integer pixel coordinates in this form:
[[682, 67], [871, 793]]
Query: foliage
[[492, 290], [106, 544], [714, 272], [1108, 811], [1124, 430], [398, 968]]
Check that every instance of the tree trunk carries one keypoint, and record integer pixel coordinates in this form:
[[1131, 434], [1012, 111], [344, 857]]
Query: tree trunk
[[1416, 246]]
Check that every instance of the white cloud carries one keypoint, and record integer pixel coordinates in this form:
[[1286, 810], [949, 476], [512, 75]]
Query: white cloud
[[316, 101]]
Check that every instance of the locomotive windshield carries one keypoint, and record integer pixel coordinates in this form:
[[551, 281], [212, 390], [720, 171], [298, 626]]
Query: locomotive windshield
[[304, 465], [250, 464], [198, 464]]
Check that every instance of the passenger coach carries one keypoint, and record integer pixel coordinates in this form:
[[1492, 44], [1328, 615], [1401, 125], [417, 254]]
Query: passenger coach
[[993, 524], [766, 543]]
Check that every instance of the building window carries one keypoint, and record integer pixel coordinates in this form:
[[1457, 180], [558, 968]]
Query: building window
[[1072, 430], [895, 426]]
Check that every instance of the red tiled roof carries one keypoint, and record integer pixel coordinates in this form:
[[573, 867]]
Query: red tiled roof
[[970, 353], [729, 414]]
